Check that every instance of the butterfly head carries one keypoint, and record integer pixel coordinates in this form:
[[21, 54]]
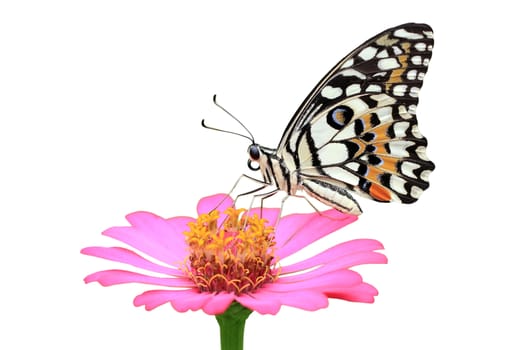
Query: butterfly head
[[254, 151], [265, 160], [260, 155]]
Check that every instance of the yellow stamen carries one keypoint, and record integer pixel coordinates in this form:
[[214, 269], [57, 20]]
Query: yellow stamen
[[237, 256]]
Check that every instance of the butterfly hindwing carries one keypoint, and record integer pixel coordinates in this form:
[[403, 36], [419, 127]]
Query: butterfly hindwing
[[378, 152], [357, 131]]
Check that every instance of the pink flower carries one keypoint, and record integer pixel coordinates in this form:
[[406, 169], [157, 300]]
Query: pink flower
[[222, 257]]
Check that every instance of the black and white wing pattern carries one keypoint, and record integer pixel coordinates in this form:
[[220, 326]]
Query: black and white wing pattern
[[357, 130]]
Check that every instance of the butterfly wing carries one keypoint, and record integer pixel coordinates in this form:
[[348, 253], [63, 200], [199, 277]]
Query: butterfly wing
[[357, 130]]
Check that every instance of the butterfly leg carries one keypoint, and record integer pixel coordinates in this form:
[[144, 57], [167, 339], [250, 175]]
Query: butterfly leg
[[262, 197], [263, 185], [242, 194], [250, 178]]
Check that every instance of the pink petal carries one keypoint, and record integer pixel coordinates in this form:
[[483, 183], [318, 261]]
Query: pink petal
[[268, 302], [305, 299], [194, 301], [129, 257], [153, 236], [181, 300], [219, 201], [259, 303], [362, 293], [218, 303], [337, 265], [313, 281], [343, 255], [155, 298], [184, 300], [296, 231], [177, 241], [112, 277]]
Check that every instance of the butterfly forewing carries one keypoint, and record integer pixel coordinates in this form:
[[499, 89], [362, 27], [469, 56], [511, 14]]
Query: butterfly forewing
[[357, 130], [393, 61]]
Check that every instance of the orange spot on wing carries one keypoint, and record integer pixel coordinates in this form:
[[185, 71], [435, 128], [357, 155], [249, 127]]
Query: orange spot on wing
[[339, 115], [389, 164], [367, 119], [381, 132], [377, 192], [380, 193], [395, 76]]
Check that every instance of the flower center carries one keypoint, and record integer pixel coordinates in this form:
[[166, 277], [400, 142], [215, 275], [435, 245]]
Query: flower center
[[236, 257]]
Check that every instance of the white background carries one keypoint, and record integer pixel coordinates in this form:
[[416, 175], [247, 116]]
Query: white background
[[100, 110]]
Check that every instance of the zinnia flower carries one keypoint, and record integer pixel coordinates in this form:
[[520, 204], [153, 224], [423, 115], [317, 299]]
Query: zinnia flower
[[227, 255]]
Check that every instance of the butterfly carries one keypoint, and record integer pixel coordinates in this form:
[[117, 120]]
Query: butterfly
[[357, 131]]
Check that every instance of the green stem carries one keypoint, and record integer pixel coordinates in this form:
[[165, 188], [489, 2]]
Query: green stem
[[231, 323]]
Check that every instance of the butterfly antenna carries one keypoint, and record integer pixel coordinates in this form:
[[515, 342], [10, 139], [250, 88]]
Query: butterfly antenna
[[225, 131], [251, 138]]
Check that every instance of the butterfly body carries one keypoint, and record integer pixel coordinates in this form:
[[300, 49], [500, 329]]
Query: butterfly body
[[357, 131]]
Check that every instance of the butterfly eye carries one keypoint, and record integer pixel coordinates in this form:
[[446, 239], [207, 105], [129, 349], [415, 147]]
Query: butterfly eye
[[252, 166], [254, 153]]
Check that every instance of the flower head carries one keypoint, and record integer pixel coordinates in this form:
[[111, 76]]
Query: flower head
[[235, 257], [228, 255]]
